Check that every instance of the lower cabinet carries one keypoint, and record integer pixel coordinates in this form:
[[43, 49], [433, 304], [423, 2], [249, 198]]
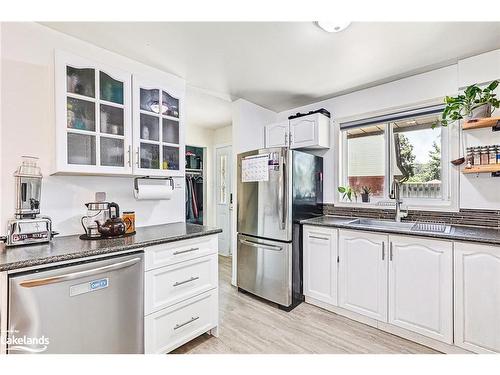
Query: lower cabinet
[[320, 263], [477, 297], [181, 293], [421, 286], [172, 327], [362, 277]]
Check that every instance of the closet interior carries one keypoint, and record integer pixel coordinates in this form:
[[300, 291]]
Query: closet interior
[[195, 185]]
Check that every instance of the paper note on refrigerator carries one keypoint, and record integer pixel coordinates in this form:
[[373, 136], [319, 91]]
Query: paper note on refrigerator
[[255, 168]]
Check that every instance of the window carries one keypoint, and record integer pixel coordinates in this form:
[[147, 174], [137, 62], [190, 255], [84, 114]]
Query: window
[[420, 155], [407, 146], [365, 151]]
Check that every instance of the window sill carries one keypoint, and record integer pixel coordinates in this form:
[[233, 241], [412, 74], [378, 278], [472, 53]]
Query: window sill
[[446, 206]]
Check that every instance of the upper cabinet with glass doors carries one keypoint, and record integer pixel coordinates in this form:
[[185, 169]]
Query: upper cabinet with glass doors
[[158, 134], [93, 116]]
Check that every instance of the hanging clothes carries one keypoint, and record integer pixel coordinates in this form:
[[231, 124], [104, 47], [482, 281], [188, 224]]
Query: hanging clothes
[[189, 199], [195, 200]]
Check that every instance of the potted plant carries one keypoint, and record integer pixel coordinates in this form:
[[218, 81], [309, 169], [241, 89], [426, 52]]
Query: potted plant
[[474, 103], [365, 194], [348, 192]]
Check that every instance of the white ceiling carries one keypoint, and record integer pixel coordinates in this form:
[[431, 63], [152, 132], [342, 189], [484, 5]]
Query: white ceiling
[[281, 65]]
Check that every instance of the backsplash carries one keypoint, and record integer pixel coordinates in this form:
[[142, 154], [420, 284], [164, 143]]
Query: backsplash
[[484, 218]]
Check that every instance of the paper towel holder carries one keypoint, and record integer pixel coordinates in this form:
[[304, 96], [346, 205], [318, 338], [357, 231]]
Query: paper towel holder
[[136, 179]]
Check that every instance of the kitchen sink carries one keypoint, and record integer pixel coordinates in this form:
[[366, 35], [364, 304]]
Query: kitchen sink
[[406, 226], [382, 224]]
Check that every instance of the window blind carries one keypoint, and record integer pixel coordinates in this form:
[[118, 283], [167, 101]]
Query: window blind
[[396, 116]]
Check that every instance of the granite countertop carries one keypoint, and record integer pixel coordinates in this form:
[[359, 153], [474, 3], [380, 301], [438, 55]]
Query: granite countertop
[[72, 247], [457, 232]]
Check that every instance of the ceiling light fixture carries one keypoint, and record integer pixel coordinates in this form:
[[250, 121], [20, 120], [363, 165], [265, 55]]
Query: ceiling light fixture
[[332, 26]]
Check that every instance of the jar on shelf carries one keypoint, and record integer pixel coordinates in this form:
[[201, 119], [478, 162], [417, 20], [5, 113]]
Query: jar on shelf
[[469, 158], [485, 158], [476, 156], [492, 155]]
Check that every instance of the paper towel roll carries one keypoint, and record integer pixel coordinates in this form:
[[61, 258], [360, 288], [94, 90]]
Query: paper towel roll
[[150, 192]]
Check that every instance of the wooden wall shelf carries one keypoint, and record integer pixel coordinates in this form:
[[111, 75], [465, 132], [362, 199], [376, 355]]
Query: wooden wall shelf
[[487, 122], [488, 168]]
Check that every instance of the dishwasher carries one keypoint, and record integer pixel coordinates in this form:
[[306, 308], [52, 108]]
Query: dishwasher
[[84, 308]]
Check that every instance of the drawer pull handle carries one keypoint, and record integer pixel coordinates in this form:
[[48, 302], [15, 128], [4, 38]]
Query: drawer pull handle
[[319, 238], [186, 281], [177, 326], [186, 251]]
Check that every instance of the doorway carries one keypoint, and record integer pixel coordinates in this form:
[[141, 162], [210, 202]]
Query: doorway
[[223, 196]]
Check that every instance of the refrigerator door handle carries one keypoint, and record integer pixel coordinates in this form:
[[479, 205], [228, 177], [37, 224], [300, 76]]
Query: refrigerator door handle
[[283, 200], [261, 246]]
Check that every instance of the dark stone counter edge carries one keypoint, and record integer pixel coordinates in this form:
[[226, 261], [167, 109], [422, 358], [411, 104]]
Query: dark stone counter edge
[[103, 251], [454, 234]]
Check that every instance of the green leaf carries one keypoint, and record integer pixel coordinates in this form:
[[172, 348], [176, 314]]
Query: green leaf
[[341, 189]]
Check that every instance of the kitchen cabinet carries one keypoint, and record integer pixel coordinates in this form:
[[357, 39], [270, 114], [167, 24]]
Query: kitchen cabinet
[[276, 135], [106, 125], [93, 117], [477, 297], [305, 132], [362, 279], [421, 286], [157, 128], [320, 263], [310, 132], [180, 292]]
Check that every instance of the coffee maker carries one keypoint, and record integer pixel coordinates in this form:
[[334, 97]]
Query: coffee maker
[[27, 227]]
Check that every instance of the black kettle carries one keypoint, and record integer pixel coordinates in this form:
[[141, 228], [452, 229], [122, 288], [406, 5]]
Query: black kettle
[[114, 226]]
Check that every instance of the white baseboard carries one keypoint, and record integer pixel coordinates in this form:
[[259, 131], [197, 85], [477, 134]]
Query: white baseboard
[[386, 327]]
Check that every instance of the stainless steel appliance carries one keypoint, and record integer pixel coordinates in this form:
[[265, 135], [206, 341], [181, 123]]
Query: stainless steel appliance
[[27, 228], [270, 206], [90, 307], [96, 212]]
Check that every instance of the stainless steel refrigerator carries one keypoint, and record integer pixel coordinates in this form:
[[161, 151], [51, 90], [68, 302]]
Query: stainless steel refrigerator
[[277, 188]]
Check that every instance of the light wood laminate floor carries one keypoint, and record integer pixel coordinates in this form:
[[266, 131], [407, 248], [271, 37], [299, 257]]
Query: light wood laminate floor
[[250, 326]]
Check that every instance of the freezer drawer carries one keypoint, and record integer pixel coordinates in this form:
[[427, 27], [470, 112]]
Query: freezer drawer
[[264, 268], [91, 307]]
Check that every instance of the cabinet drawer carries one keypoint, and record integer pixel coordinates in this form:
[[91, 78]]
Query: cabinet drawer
[[157, 256], [171, 284], [172, 327]]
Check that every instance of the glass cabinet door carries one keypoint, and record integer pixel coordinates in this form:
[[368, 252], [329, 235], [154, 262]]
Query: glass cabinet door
[[96, 125], [157, 130]]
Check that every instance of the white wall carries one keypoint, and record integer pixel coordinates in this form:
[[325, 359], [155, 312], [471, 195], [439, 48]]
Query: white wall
[[28, 128], [223, 136]]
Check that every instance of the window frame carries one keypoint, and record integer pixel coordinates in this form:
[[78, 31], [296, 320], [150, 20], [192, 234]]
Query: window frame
[[450, 137]]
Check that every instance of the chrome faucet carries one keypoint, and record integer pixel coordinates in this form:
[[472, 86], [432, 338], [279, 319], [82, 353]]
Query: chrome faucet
[[396, 195]]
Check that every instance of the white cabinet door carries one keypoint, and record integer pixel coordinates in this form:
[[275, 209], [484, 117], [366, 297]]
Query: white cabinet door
[[303, 132], [276, 135], [93, 126], [158, 128], [477, 297], [310, 132], [421, 286], [320, 263], [363, 273]]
